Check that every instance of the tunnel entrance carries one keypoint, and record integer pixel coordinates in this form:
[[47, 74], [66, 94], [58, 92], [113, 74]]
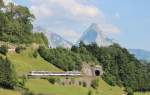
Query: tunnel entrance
[[97, 73]]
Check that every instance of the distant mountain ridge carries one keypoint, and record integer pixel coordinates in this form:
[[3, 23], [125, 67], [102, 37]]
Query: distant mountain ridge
[[92, 35], [141, 54], [56, 40]]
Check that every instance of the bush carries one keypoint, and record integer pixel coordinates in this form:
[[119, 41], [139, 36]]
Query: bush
[[84, 84], [95, 83], [129, 91], [7, 74], [80, 83], [19, 49], [109, 79], [26, 92], [22, 81], [90, 92], [35, 54], [3, 49], [52, 80]]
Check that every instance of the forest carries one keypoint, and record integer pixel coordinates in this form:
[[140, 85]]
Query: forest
[[120, 67]]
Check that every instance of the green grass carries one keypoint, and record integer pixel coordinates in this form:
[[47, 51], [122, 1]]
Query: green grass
[[8, 92], [25, 62], [43, 86], [138, 93], [105, 89]]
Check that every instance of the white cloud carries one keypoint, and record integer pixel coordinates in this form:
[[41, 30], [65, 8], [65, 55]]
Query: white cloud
[[74, 14], [67, 33], [77, 9], [71, 35], [8, 1], [70, 7], [109, 28], [41, 11]]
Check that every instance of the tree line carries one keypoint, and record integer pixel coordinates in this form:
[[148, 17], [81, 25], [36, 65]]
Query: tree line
[[65, 58]]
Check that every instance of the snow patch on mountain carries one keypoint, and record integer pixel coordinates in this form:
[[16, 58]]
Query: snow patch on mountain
[[95, 35], [56, 40]]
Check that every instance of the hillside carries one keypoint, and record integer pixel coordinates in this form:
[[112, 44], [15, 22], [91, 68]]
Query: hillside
[[142, 93], [8, 92], [25, 62], [43, 86]]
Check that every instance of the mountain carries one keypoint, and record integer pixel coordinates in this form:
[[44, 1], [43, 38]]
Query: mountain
[[56, 40], [95, 35], [141, 54]]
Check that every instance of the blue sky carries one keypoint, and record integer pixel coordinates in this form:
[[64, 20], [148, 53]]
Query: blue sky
[[127, 21]]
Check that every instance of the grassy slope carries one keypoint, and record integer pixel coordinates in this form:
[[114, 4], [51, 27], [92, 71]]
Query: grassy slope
[[142, 93], [43, 86], [25, 62], [105, 89], [8, 92]]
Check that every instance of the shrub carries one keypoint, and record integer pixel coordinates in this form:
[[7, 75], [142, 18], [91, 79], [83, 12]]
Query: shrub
[[35, 54], [19, 49], [22, 81], [80, 83], [90, 92], [129, 91], [7, 74], [52, 80], [3, 49], [95, 83], [26, 92], [110, 79], [84, 84]]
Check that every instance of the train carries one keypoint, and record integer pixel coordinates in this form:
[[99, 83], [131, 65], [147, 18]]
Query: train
[[47, 73]]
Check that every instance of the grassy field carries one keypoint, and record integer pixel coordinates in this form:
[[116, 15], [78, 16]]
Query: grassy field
[[8, 92], [105, 89], [43, 86], [148, 93], [25, 62]]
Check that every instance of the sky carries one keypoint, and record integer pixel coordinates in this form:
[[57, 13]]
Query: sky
[[126, 21]]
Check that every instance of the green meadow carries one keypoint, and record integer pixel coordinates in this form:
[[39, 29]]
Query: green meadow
[[43, 86], [138, 93], [25, 62], [8, 92]]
